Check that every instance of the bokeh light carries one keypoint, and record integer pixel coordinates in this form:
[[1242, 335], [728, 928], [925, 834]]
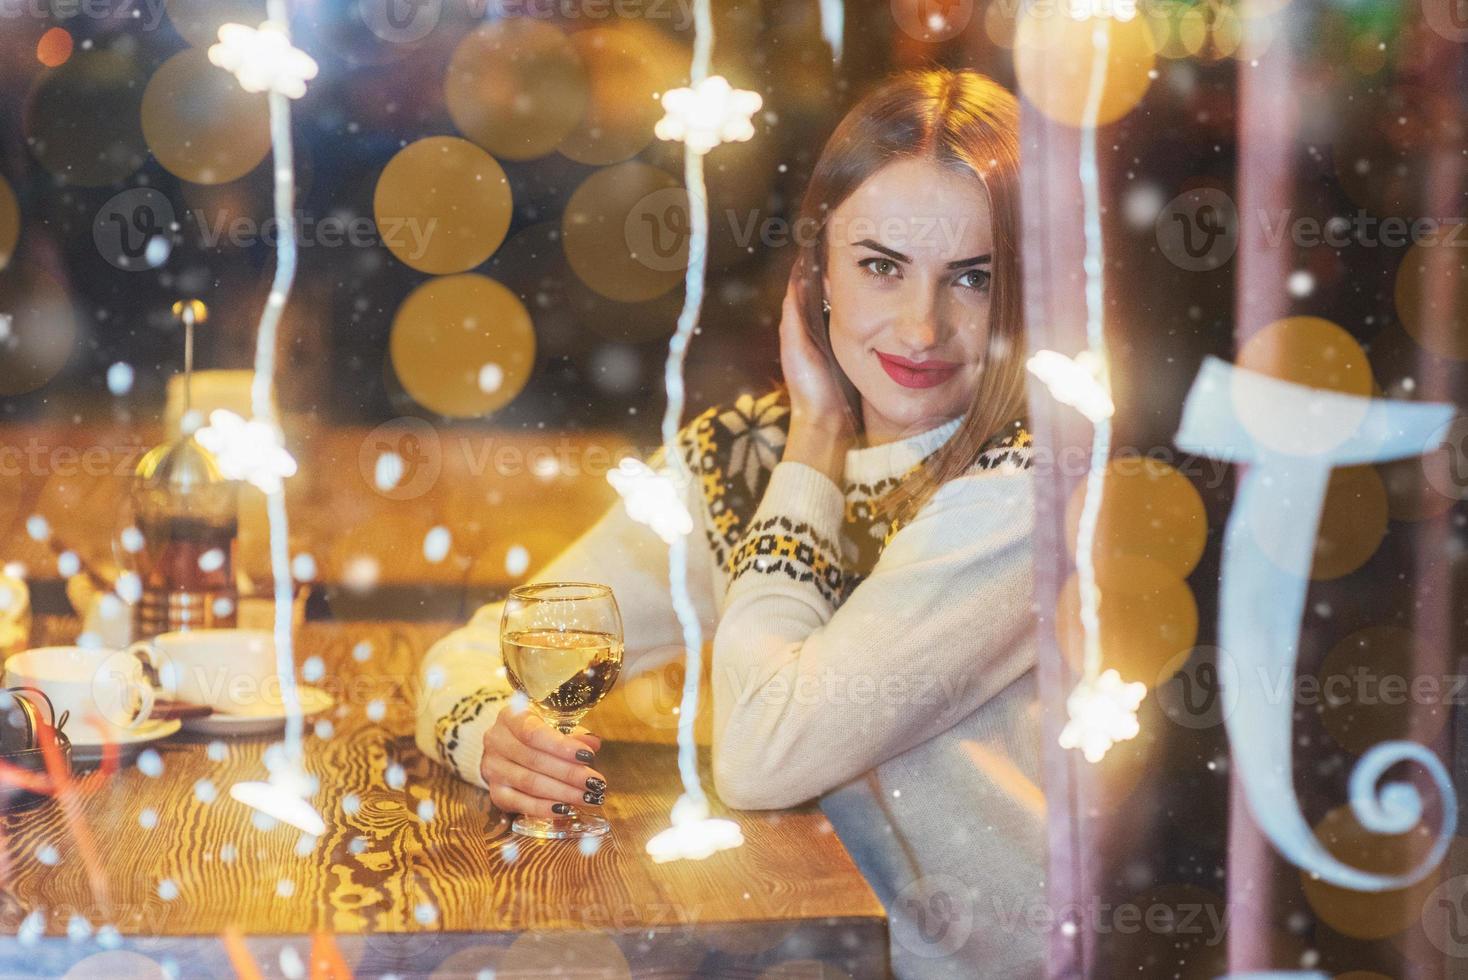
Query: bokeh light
[[626, 67], [1315, 353], [82, 119], [445, 334], [1372, 692], [443, 205], [1148, 509], [609, 215], [9, 223], [1369, 915], [38, 330], [516, 87], [55, 47], [1148, 616], [1353, 521], [1432, 310], [200, 124], [198, 21], [1053, 53]]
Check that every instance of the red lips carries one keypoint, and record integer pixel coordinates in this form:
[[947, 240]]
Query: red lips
[[917, 374]]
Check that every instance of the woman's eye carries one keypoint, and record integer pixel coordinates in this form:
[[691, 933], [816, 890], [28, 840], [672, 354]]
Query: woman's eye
[[974, 279], [882, 268]]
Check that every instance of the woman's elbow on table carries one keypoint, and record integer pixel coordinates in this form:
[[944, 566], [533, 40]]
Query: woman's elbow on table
[[753, 769]]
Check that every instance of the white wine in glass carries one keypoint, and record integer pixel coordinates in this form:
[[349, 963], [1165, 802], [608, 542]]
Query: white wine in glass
[[562, 647]]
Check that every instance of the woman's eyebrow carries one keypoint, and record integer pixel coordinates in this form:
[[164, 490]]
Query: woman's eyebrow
[[976, 260], [891, 253]]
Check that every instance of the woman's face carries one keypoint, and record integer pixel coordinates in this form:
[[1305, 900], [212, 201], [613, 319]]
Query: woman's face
[[907, 274]]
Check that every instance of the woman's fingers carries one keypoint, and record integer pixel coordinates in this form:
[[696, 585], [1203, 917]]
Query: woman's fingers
[[574, 775], [538, 785], [592, 742], [530, 730], [511, 800]]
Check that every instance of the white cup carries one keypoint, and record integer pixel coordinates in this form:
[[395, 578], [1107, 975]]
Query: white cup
[[106, 692], [230, 670]]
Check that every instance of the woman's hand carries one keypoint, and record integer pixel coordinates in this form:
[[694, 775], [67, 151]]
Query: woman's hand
[[821, 428], [531, 768]]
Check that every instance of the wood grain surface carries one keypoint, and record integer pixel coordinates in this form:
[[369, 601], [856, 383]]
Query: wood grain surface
[[415, 875]]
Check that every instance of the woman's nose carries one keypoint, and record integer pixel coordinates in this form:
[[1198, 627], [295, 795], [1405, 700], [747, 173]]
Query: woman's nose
[[921, 328]]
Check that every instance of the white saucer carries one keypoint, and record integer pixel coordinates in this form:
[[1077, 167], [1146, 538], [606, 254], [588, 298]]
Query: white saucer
[[86, 753], [260, 718]]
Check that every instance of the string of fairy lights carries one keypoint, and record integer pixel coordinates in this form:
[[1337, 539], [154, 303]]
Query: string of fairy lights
[[1102, 708], [263, 59]]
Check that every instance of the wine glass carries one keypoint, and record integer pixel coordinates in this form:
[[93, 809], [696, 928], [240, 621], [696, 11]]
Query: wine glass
[[562, 646]]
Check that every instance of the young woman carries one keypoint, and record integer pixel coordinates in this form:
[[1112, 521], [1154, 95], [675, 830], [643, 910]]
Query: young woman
[[864, 557]]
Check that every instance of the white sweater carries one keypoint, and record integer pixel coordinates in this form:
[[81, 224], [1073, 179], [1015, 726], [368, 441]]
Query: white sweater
[[886, 671]]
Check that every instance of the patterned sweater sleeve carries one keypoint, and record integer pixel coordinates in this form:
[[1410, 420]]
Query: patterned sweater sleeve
[[462, 684], [809, 694]]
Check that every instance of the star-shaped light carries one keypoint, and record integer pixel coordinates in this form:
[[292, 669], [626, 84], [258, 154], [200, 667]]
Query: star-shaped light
[[263, 59], [710, 113], [1079, 382], [694, 835], [652, 498], [252, 450], [1102, 712]]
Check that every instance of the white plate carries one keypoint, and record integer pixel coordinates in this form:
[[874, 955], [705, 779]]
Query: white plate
[[260, 718], [85, 753]]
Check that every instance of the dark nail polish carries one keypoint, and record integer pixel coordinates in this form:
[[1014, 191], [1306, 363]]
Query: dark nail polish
[[585, 755], [596, 785], [595, 799], [561, 808]]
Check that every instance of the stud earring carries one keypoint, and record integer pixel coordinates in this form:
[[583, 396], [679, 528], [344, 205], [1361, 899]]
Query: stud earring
[[826, 307]]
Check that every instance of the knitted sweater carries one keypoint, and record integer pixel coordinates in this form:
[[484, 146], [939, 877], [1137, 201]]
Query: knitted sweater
[[886, 670]]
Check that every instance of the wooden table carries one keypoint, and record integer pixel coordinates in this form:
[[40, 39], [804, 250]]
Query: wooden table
[[419, 879]]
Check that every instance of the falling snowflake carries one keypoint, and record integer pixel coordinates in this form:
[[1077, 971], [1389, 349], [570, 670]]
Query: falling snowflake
[[517, 561], [303, 568], [120, 379], [710, 113], [205, 791], [491, 378], [253, 451], [313, 669], [263, 59], [436, 544], [1101, 714], [132, 540], [150, 763]]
